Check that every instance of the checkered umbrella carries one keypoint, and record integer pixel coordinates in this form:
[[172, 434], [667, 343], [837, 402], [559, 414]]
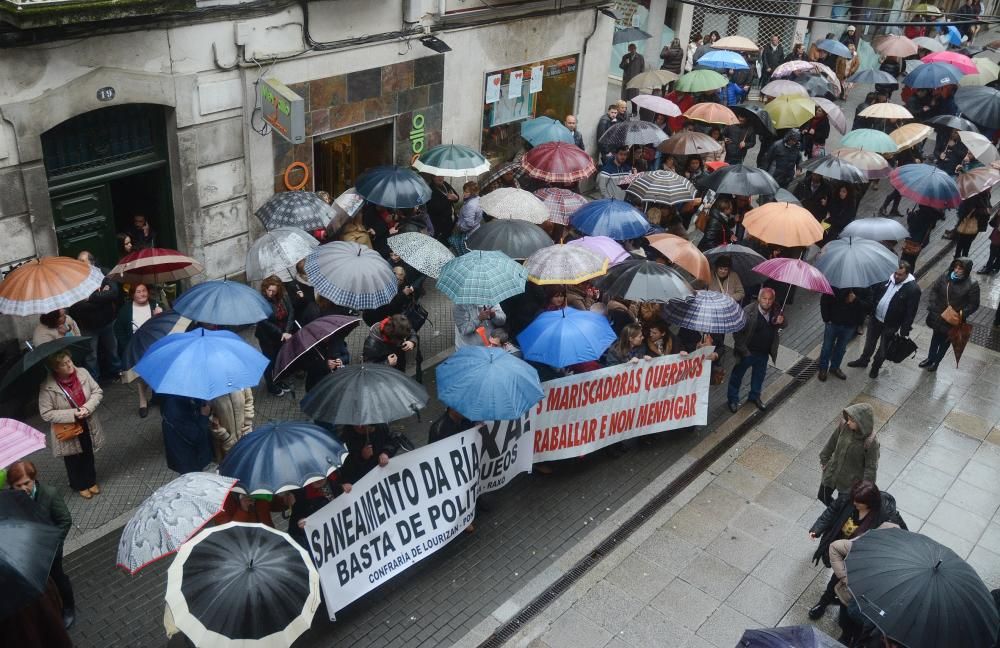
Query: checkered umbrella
[[301, 209], [561, 203], [661, 187], [509, 167], [484, 278], [508, 203], [558, 162], [351, 275], [564, 264], [633, 133], [423, 253], [707, 311]]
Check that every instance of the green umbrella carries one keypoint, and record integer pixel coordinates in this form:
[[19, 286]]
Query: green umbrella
[[452, 161], [870, 140], [482, 277], [700, 81]]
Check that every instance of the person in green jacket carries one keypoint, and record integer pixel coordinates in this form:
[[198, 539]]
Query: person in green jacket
[[23, 476], [851, 454]]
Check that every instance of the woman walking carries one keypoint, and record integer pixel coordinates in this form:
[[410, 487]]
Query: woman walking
[[130, 318], [952, 299], [272, 332]]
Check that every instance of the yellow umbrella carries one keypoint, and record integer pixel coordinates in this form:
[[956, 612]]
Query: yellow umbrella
[[784, 224], [910, 135], [924, 8], [988, 72], [790, 111], [886, 111]]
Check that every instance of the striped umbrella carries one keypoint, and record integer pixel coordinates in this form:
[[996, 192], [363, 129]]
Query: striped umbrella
[[925, 184], [277, 252], [351, 275], [508, 203], [47, 284], [871, 140], [451, 161], [18, 440], [558, 162], [564, 264], [707, 311], [615, 219], [633, 133], [423, 253], [156, 266], [661, 186], [561, 203], [301, 209], [483, 278], [795, 272]]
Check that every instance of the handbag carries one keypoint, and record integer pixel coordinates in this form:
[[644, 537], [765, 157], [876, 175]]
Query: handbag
[[968, 225], [718, 376], [67, 431], [949, 314], [900, 348], [911, 247], [416, 314]]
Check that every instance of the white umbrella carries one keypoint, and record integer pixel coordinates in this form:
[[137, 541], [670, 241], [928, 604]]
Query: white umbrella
[[980, 147], [508, 203], [833, 111], [277, 252], [657, 105]]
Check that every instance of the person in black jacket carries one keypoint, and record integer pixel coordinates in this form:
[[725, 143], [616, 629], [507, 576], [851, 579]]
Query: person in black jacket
[[367, 446], [843, 312], [894, 306], [843, 208], [814, 194], [272, 332], [95, 316], [719, 229], [388, 341], [739, 139], [815, 133], [920, 222], [783, 157], [326, 357], [771, 57], [441, 208]]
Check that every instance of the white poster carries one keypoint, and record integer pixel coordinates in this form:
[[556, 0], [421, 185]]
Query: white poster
[[514, 88], [493, 88], [506, 453], [537, 74]]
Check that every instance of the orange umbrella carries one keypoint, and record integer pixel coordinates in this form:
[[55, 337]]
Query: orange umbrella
[[711, 113], [46, 284], [784, 224], [682, 253]]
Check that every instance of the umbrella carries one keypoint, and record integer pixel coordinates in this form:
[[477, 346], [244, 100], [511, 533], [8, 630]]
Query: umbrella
[[508, 203], [283, 455], [736, 43], [556, 162], [909, 135], [876, 228], [933, 75], [351, 275], [977, 181], [980, 104], [18, 440], [629, 34], [651, 79], [924, 8], [28, 369], [543, 130], [700, 81], [742, 259], [566, 337], [782, 87], [683, 254], [951, 36], [393, 187], [561, 203], [959, 337], [423, 253], [784, 195], [349, 201], [451, 161], [152, 330], [834, 113], [886, 111], [952, 121], [657, 105], [873, 77], [739, 180], [171, 516], [929, 44], [835, 168], [873, 164], [43, 285], [632, 133], [919, 592], [201, 364], [223, 302], [856, 262], [309, 337], [300, 209], [757, 113], [156, 266], [962, 62], [689, 143], [365, 394], [711, 113], [615, 219], [29, 547], [241, 584], [661, 186], [789, 68], [277, 252], [987, 72], [895, 45], [925, 184], [513, 167], [816, 86], [790, 111], [643, 280], [564, 264], [606, 247], [834, 47], [707, 311], [482, 278], [795, 272], [981, 148], [867, 139], [487, 384], [723, 60], [783, 224], [516, 238], [803, 636]]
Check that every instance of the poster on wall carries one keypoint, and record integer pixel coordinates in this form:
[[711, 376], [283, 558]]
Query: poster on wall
[[514, 87], [511, 109], [537, 74], [492, 88]]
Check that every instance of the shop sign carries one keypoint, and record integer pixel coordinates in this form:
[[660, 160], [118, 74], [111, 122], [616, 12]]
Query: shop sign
[[283, 110], [417, 136]]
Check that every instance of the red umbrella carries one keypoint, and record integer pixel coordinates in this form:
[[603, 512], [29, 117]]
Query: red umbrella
[[558, 162], [156, 265]]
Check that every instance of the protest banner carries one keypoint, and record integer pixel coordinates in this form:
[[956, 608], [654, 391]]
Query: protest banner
[[507, 450], [583, 413]]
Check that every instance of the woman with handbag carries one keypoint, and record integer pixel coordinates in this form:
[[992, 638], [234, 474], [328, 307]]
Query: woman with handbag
[[67, 401], [972, 216], [953, 298]]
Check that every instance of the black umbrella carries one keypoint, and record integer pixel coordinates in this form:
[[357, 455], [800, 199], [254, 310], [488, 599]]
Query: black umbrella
[[802, 636], [643, 280], [952, 121], [29, 370], [835, 168], [517, 239], [158, 327], [784, 195], [633, 133], [739, 180], [742, 259], [29, 546], [981, 104], [920, 593], [757, 116], [242, 582], [364, 394], [306, 340], [815, 85]]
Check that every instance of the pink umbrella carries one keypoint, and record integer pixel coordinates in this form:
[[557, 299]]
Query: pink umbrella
[[560, 203], [795, 272], [657, 105], [604, 247], [18, 440], [961, 61], [789, 68]]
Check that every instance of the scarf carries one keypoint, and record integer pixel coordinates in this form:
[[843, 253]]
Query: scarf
[[72, 386]]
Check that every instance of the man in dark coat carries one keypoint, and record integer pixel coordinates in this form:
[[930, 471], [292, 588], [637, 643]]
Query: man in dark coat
[[752, 346], [814, 194], [186, 435], [441, 208], [631, 65], [783, 157], [772, 56], [368, 446], [606, 121], [739, 139], [894, 305], [843, 312], [95, 316]]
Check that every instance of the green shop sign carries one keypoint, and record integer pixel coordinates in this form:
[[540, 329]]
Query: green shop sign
[[283, 110], [417, 138]]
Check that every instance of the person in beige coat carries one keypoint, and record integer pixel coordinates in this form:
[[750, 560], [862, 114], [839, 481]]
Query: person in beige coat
[[52, 326], [71, 395], [230, 419], [850, 618]]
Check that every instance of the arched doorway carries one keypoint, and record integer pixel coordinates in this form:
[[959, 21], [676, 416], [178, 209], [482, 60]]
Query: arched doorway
[[104, 167]]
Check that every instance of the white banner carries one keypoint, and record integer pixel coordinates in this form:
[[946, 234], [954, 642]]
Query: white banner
[[506, 453]]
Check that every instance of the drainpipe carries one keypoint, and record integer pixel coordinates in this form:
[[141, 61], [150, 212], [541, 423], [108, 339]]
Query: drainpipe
[[583, 58]]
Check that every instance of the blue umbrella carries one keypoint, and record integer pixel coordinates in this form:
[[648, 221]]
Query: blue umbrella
[[566, 337], [487, 384], [707, 311], [834, 47], [933, 75], [201, 364], [226, 303], [615, 219], [925, 184], [153, 330], [723, 60], [282, 456], [954, 36], [393, 187], [544, 129]]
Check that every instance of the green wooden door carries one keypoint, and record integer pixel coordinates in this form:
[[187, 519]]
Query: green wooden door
[[84, 220]]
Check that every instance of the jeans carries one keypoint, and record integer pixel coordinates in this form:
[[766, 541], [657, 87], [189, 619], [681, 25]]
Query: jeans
[[877, 334], [757, 364], [938, 347], [836, 337], [102, 359]]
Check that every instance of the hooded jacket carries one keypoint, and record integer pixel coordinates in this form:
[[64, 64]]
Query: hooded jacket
[[850, 455], [830, 522], [962, 295], [783, 159]]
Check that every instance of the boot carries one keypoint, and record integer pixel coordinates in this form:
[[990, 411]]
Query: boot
[[817, 610]]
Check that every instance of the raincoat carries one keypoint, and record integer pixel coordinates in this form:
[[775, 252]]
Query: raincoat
[[851, 455]]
